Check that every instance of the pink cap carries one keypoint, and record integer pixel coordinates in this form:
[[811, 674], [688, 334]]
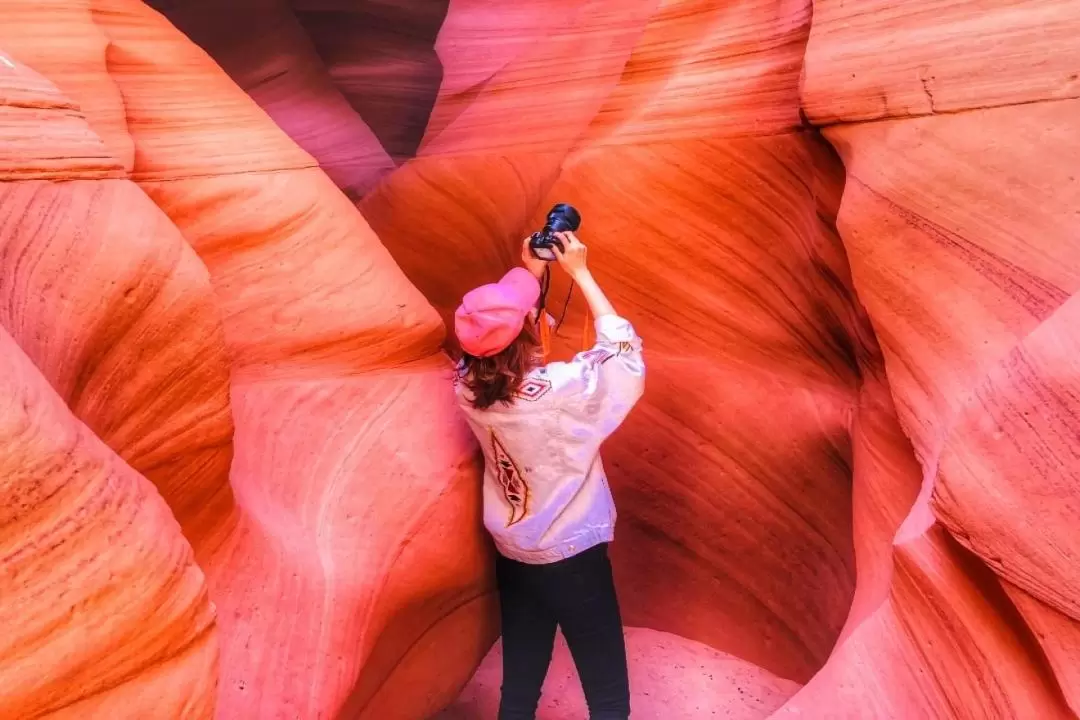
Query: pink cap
[[491, 316]]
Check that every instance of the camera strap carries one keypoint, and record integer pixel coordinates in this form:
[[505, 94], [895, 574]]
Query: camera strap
[[586, 324], [545, 328], [541, 312]]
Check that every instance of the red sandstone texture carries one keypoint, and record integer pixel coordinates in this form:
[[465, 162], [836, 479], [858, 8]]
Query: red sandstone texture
[[235, 485]]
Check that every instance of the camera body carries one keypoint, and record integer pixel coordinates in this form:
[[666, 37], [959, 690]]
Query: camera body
[[561, 218]]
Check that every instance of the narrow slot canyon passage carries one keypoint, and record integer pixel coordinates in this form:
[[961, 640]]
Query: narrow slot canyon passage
[[723, 511], [231, 242]]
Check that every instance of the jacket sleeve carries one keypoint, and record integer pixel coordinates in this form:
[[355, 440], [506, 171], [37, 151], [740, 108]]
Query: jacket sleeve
[[613, 371]]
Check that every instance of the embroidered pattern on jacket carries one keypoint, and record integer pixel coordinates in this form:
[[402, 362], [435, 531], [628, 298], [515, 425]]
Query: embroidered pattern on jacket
[[598, 355], [513, 484], [532, 389]]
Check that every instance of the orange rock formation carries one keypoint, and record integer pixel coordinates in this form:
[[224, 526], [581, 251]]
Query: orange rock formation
[[234, 482]]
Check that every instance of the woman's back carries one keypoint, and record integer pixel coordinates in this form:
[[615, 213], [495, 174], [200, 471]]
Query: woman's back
[[546, 495]]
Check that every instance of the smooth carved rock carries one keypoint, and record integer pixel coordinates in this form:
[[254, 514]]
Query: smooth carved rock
[[931, 633], [670, 677], [70, 52], [116, 311], [542, 98], [1058, 635], [879, 59], [1023, 418], [330, 351], [631, 72], [105, 612], [939, 647], [332, 354], [728, 311], [976, 335], [266, 51], [707, 69], [110, 303], [109, 614], [381, 56], [29, 101], [855, 464], [961, 231]]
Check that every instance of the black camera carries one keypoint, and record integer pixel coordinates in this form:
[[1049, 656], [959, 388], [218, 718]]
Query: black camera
[[561, 218]]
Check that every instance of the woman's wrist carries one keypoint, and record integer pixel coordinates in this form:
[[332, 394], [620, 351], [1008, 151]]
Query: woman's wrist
[[536, 267], [581, 275], [599, 305]]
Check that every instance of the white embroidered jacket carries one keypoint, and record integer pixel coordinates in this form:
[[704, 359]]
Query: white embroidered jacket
[[546, 495]]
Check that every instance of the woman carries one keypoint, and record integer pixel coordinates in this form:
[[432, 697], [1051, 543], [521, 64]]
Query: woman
[[547, 503]]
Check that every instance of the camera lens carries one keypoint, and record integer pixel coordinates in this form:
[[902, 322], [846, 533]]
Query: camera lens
[[563, 217]]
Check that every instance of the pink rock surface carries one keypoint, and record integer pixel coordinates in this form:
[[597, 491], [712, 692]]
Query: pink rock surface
[[265, 50], [81, 532], [104, 603], [931, 633], [878, 59], [961, 232], [331, 576], [714, 517], [670, 677], [381, 56]]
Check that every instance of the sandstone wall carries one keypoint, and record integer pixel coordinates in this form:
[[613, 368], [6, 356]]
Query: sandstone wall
[[235, 480]]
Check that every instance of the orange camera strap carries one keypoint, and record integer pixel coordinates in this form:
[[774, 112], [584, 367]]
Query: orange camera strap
[[542, 314], [545, 326], [545, 334]]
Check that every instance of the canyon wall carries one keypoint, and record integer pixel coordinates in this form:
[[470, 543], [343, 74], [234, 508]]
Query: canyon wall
[[960, 221], [191, 304], [847, 491]]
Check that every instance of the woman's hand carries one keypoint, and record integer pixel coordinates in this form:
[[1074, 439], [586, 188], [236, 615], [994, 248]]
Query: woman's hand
[[572, 256], [532, 263]]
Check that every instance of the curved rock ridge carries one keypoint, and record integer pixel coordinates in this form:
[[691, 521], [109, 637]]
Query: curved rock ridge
[[267, 52], [356, 556], [381, 56], [105, 609], [71, 53], [880, 59], [114, 375], [352, 83], [961, 228], [29, 102], [110, 303], [1012, 280], [332, 351], [80, 528], [931, 633]]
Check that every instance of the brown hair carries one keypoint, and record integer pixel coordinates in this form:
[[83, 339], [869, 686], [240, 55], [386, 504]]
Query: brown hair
[[496, 378]]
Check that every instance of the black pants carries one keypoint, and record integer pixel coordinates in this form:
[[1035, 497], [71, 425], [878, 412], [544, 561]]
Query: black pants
[[577, 595]]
